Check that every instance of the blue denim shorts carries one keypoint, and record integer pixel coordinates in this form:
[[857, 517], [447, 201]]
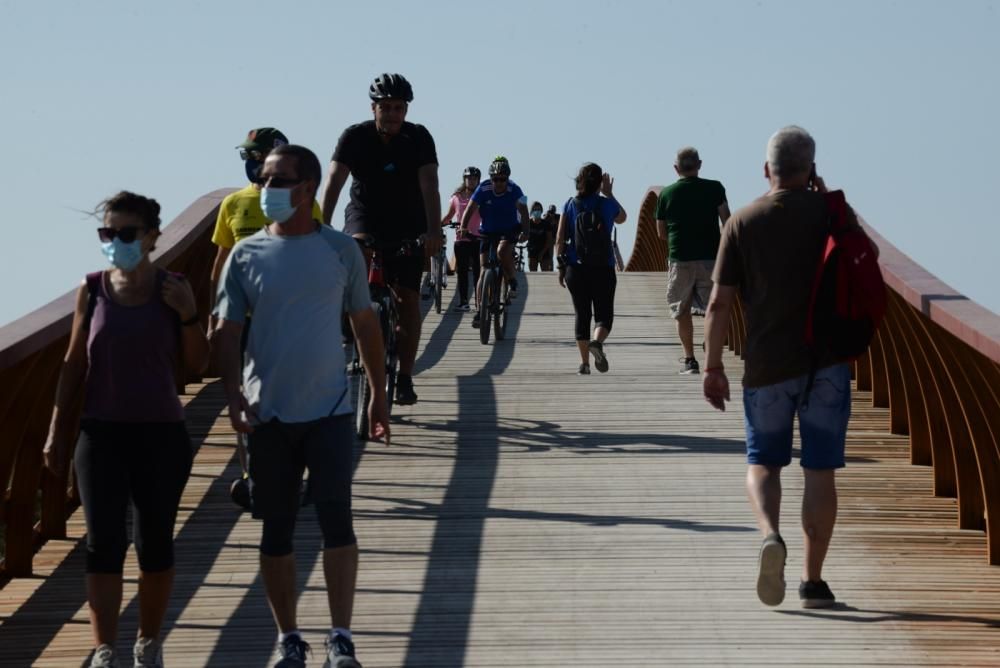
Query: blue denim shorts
[[769, 413]]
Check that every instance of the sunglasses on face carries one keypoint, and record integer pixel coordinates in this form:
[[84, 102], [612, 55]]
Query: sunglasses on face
[[279, 182], [498, 179], [126, 234], [250, 154]]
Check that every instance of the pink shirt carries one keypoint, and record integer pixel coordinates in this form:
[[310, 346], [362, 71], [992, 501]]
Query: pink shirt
[[460, 203]]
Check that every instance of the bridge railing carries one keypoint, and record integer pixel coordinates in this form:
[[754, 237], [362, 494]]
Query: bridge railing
[[34, 505], [934, 363]]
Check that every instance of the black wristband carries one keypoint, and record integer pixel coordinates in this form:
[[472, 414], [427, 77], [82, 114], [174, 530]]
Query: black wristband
[[193, 320]]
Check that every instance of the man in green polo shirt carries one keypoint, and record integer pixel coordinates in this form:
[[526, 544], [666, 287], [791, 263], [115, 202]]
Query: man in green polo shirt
[[688, 215]]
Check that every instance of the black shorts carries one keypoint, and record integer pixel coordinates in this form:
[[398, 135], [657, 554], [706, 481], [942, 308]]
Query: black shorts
[[512, 235], [279, 452], [404, 270], [535, 250]]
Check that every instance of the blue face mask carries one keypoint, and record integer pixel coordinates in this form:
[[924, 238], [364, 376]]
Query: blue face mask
[[124, 256], [536, 215], [276, 203], [253, 169]]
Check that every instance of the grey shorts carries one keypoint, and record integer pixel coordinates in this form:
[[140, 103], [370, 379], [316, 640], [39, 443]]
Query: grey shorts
[[279, 452], [689, 284]]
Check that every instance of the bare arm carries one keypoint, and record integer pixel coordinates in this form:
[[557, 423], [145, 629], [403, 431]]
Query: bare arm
[[179, 296], [337, 177], [661, 229], [71, 377], [447, 216], [715, 382], [724, 212], [467, 216], [522, 208], [368, 336], [428, 179], [228, 361], [220, 261]]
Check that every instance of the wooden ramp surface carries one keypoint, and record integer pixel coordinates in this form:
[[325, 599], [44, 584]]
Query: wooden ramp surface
[[527, 516]]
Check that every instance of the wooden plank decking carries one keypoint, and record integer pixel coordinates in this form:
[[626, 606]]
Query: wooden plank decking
[[526, 516]]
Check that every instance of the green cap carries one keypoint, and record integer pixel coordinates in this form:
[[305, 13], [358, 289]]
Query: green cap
[[263, 139]]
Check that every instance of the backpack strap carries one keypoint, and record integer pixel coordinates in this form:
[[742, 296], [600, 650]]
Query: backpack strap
[[93, 290]]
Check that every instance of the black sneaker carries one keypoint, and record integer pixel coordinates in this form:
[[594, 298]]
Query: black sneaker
[[405, 396], [771, 570], [512, 292], [239, 492], [816, 594], [690, 367], [293, 651], [475, 320], [596, 349], [340, 653], [584, 370]]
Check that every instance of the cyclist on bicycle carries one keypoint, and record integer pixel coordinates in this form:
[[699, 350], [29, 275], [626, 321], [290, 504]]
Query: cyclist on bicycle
[[499, 202], [395, 198], [466, 245]]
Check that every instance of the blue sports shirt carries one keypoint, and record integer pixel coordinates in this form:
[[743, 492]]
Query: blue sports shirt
[[498, 212]]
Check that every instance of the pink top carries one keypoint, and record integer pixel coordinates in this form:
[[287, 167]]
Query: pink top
[[460, 203]]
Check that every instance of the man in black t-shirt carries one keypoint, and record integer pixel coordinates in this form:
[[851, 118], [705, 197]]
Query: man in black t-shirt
[[394, 198]]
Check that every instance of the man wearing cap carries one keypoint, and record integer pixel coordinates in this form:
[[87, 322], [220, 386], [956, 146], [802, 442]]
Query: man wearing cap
[[394, 198], [240, 215], [688, 215]]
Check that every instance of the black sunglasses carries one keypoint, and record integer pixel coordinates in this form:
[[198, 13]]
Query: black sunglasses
[[498, 179], [247, 154], [126, 234]]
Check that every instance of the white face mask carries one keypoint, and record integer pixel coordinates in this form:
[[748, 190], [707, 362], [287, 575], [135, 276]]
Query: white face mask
[[276, 203]]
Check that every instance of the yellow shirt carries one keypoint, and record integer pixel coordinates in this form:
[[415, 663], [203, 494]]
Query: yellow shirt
[[240, 216]]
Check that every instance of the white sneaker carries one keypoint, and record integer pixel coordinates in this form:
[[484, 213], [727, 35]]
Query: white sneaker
[[104, 657], [147, 653]]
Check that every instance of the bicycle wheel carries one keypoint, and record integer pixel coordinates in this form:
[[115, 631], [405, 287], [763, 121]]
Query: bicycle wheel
[[437, 267], [500, 318], [363, 396], [388, 320], [486, 306]]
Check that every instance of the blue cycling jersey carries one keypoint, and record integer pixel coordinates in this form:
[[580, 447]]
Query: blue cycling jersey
[[498, 212]]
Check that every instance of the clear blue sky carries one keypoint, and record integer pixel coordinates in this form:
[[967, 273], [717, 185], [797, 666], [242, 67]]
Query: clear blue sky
[[902, 98]]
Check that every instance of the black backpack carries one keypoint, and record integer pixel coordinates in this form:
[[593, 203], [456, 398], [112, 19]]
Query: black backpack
[[590, 236]]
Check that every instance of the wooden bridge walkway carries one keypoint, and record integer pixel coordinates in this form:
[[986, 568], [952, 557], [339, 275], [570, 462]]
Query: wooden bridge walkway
[[526, 516]]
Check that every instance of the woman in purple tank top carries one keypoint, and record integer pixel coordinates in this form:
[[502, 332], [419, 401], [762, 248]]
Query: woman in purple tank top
[[135, 329]]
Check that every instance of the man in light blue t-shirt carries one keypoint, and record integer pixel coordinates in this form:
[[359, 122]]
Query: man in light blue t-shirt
[[292, 399]]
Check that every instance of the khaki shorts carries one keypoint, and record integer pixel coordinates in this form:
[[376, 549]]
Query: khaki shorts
[[689, 284]]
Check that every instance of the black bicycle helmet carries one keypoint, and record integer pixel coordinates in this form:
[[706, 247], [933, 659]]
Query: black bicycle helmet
[[390, 87], [500, 166], [472, 171]]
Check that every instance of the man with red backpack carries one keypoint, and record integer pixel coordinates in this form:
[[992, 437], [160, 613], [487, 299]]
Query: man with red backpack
[[772, 254]]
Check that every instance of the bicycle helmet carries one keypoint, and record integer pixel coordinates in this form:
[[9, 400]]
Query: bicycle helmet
[[472, 171], [499, 167], [390, 87]]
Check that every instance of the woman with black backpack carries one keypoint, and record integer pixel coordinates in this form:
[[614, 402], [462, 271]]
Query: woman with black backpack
[[587, 262]]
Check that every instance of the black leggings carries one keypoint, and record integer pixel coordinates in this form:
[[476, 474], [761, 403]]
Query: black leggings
[[466, 257], [593, 292], [147, 463]]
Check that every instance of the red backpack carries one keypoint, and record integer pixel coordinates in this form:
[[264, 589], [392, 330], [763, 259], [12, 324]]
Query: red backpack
[[848, 299]]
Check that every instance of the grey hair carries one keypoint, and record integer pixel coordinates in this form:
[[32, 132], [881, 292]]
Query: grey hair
[[687, 158], [791, 151]]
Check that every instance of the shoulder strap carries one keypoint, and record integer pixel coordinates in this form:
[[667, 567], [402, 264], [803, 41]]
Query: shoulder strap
[[93, 290]]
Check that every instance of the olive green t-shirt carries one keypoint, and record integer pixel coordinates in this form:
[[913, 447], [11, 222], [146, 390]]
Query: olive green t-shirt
[[770, 250], [690, 208]]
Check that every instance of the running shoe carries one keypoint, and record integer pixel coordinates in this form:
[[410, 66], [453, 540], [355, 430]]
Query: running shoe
[[596, 349], [147, 653], [464, 306], [475, 320], [512, 292], [340, 653], [293, 651], [584, 370], [405, 396], [771, 570], [690, 367], [104, 657], [816, 594]]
